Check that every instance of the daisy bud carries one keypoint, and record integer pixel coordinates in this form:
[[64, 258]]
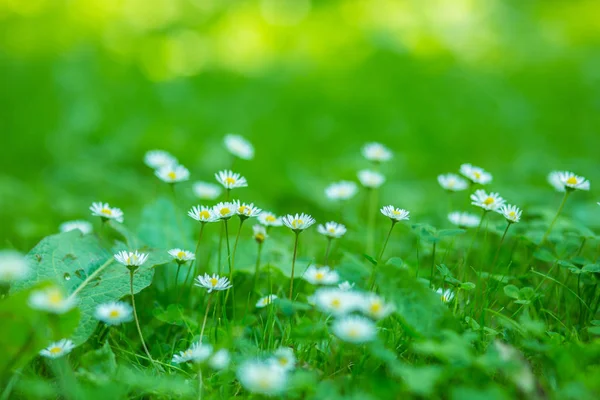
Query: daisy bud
[[260, 233]]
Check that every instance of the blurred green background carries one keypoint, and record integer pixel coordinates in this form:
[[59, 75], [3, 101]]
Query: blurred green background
[[88, 86]]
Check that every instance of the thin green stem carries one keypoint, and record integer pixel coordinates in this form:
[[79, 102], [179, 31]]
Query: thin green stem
[[387, 238], [135, 316], [499, 246], [326, 259], [199, 383], [560, 208], [294, 263], [432, 265], [205, 317], [257, 267]]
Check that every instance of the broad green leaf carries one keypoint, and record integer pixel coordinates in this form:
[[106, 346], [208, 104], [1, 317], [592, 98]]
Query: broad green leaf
[[595, 268], [165, 226], [512, 291], [98, 366], [421, 380]]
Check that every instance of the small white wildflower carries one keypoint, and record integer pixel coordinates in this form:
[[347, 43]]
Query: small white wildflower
[[245, 210], [262, 377], [475, 174], [203, 214], [375, 307], [224, 210], [342, 190], [346, 286], [219, 360], [354, 329], [214, 282], [336, 301], [573, 182], [260, 233], [84, 226], [376, 152], [58, 349], [106, 212], [298, 222], [173, 173], [554, 180], [206, 191], [489, 202], [269, 219], [511, 213], [159, 158], [265, 301], [114, 313], [446, 295], [370, 179], [464, 219], [182, 256], [131, 259], [239, 147], [51, 299], [197, 353], [13, 266], [284, 358], [230, 179], [321, 276], [395, 214], [452, 182], [332, 230]]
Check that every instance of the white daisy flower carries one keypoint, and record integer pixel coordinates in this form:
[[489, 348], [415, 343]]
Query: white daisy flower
[[51, 299], [354, 329], [206, 191], [173, 173], [203, 214], [83, 226], [336, 301], [475, 174], [298, 222], [219, 360], [554, 180], [13, 266], [197, 353], [332, 230], [260, 233], [182, 256], [370, 179], [239, 147], [269, 219], [106, 212], [511, 213], [446, 295], [395, 214], [214, 282], [376, 152], [464, 219], [230, 180], [262, 377], [284, 358], [573, 182], [224, 210], [265, 301], [321, 276], [245, 210], [346, 286], [159, 158], [342, 190], [375, 307], [489, 202], [452, 182], [131, 259], [58, 349], [114, 313]]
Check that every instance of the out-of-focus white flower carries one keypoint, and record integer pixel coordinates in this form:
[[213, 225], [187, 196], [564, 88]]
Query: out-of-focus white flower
[[131, 259], [395, 214], [114, 313], [159, 158], [464, 219], [321, 276], [376, 152], [224, 210], [52, 300], [230, 179], [197, 353], [371, 179], [260, 233], [284, 358], [13, 266], [475, 174], [269, 219], [214, 282], [345, 286], [354, 329], [298, 222], [206, 191], [219, 360], [446, 295], [83, 226], [265, 301], [332, 230], [573, 182], [203, 214], [554, 180], [452, 182], [245, 210], [342, 190], [262, 377], [106, 212], [239, 147], [489, 202], [336, 301], [58, 349], [173, 173], [182, 256], [511, 213], [375, 307]]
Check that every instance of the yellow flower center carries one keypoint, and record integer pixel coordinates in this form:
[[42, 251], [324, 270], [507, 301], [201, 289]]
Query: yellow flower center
[[331, 230], [336, 303], [187, 353], [512, 214], [55, 297], [375, 307], [319, 276], [353, 332], [106, 211], [242, 209], [180, 254], [55, 350], [204, 214], [297, 222], [214, 281], [451, 182], [270, 218], [263, 382], [572, 181], [283, 361], [224, 211], [113, 313], [172, 175], [230, 180], [259, 237], [488, 201], [396, 212], [477, 174]]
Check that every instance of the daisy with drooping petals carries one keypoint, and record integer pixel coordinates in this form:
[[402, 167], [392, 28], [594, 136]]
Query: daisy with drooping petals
[[245, 211], [554, 180], [224, 210], [342, 190], [239, 147], [321, 276], [446, 295], [230, 179], [511, 213], [354, 329], [298, 222], [262, 377], [51, 299], [265, 301], [206, 191], [346, 286], [159, 158], [203, 214], [114, 313], [376, 152], [475, 174], [219, 360], [197, 353], [332, 230], [371, 179], [260, 233], [13, 266], [181, 256], [284, 358], [84, 226], [58, 349], [269, 219], [452, 182], [489, 202], [375, 307], [336, 301], [173, 173], [131, 259], [464, 219], [395, 214], [106, 212], [214, 282], [573, 182]]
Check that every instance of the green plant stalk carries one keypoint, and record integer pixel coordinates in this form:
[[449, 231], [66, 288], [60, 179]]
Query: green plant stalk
[[387, 238], [326, 259], [232, 265], [500, 245], [560, 208], [199, 383], [257, 267], [466, 261], [432, 265], [372, 209], [135, 316], [294, 263], [205, 316]]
